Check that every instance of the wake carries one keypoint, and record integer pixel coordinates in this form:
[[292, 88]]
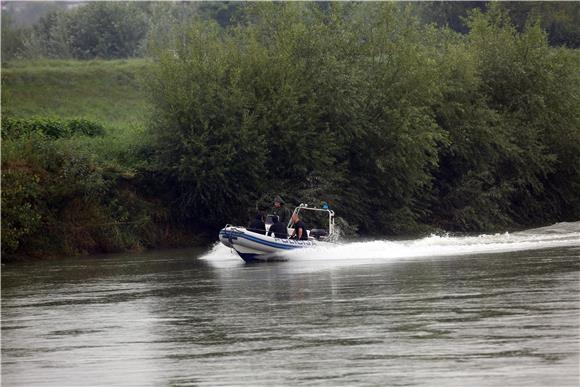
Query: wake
[[557, 235]]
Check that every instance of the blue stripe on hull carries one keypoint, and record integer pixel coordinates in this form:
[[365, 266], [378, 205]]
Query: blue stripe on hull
[[235, 235], [288, 244]]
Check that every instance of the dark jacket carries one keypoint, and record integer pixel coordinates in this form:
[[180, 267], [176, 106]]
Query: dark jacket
[[279, 230], [283, 213], [258, 226], [300, 225]]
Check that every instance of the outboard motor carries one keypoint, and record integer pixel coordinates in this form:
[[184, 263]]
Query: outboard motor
[[318, 234]]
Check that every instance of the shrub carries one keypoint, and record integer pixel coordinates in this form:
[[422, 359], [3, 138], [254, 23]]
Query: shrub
[[58, 199], [50, 127]]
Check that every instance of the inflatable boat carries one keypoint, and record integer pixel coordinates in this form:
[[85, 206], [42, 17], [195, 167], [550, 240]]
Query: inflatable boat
[[253, 246]]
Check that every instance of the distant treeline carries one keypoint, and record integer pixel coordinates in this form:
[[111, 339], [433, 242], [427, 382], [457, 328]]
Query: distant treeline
[[110, 30], [106, 30], [401, 126]]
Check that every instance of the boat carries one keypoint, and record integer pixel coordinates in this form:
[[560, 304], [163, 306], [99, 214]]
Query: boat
[[256, 247]]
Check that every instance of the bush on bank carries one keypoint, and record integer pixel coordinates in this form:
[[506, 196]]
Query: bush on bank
[[13, 128], [398, 125], [61, 198]]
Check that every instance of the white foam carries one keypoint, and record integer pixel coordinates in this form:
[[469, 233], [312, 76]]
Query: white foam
[[437, 245], [558, 235], [219, 252]]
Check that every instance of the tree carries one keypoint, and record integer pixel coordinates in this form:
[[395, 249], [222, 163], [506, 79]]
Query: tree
[[12, 38], [509, 97], [107, 30], [332, 103], [560, 19]]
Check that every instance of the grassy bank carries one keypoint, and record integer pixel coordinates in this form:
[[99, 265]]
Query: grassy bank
[[108, 92]]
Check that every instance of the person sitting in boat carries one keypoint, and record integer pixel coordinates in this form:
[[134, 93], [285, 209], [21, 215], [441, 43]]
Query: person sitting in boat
[[283, 213], [257, 225], [299, 228], [278, 229]]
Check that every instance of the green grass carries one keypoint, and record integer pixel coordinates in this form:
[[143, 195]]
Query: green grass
[[105, 91], [108, 92]]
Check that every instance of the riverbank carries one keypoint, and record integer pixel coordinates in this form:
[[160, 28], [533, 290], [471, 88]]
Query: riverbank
[[72, 188], [72, 169]]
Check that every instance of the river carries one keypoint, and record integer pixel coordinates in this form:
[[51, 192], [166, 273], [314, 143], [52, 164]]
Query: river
[[490, 310]]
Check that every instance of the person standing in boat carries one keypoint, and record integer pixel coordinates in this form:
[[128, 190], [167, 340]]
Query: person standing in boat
[[257, 225], [281, 211], [278, 229], [299, 228]]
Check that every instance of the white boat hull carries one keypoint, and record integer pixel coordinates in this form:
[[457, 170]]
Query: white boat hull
[[254, 247]]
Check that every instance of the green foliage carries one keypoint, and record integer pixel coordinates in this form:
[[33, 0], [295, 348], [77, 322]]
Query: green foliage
[[395, 124], [526, 85], [306, 102], [19, 220], [204, 149], [57, 198], [126, 29], [12, 38], [93, 30], [560, 19], [50, 36], [508, 96], [401, 127], [448, 13], [50, 127], [106, 30]]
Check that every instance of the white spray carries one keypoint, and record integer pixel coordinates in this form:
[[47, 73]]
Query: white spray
[[558, 235]]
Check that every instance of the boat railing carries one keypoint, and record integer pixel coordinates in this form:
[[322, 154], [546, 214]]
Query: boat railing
[[331, 229]]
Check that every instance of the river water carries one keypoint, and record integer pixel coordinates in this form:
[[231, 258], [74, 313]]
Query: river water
[[492, 310]]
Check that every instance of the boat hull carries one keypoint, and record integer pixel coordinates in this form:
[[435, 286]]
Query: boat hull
[[254, 247]]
